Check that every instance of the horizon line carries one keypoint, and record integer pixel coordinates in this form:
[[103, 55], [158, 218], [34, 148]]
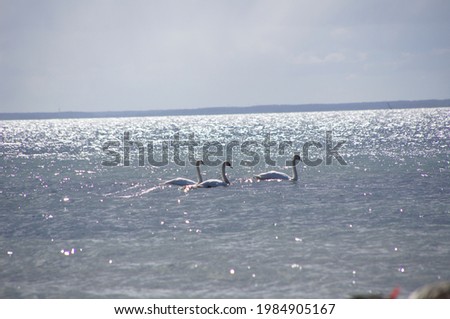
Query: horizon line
[[217, 110]]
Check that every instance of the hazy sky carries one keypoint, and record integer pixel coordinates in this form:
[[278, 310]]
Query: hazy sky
[[137, 55]]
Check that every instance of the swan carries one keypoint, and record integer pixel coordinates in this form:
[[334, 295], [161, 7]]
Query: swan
[[216, 182], [179, 181], [278, 175]]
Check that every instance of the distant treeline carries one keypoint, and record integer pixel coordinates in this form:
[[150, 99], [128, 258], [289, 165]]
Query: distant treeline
[[275, 108]]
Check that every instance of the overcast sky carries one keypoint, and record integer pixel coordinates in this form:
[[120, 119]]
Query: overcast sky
[[142, 55]]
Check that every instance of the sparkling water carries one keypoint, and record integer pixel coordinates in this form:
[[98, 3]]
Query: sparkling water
[[73, 227]]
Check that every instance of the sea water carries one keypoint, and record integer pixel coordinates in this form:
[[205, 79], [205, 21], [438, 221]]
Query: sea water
[[77, 223]]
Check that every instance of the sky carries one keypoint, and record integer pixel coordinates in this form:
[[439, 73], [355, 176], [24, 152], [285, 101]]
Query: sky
[[92, 55]]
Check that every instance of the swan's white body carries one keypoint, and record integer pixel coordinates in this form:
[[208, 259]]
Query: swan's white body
[[212, 183], [216, 182], [179, 181], [273, 175], [282, 176]]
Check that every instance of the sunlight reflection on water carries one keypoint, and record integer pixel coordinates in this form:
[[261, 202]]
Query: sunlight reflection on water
[[74, 228]]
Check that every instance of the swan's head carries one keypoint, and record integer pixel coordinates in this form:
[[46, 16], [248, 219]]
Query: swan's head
[[227, 163], [297, 158], [197, 163]]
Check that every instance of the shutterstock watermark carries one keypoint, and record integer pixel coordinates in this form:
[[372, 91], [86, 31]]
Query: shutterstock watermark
[[213, 153]]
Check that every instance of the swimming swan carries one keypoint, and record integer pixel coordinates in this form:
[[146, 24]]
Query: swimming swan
[[279, 175], [184, 181], [216, 182]]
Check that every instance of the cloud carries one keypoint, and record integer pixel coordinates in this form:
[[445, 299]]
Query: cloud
[[342, 33], [311, 58], [151, 54], [351, 76], [441, 52]]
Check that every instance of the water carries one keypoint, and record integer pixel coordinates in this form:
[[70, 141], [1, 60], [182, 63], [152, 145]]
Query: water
[[74, 228]]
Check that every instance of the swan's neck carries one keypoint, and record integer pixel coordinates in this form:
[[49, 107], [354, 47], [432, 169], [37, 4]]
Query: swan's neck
[[224, 177], [294, 168], [199, 175]]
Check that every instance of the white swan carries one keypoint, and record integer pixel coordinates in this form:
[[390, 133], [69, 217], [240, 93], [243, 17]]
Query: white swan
[[179, 181], [278, 175], [216, 182]]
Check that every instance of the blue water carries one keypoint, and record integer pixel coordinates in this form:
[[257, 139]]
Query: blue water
[[71, 227]]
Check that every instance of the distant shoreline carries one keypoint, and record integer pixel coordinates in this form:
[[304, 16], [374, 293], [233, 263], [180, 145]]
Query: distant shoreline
[[274, 108]]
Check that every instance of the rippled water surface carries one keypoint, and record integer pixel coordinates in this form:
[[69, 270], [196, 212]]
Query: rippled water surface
[[74, 228]]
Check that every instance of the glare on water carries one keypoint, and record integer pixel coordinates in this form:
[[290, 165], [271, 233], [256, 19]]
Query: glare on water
[[74, 228]]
